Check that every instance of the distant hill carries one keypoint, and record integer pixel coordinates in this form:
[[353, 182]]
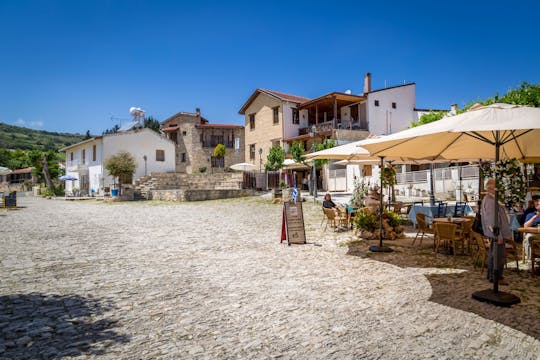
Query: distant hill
[[18, 137]]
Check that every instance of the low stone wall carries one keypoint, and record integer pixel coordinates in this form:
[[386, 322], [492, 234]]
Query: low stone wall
[[196, 195]]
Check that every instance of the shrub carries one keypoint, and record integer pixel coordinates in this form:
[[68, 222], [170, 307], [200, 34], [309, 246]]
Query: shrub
[[366, 220], [200, 170]]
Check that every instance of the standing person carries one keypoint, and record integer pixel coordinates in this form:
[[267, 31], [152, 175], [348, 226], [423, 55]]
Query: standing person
[[309, 183], [531, 220], [305, 185], [488, 216]]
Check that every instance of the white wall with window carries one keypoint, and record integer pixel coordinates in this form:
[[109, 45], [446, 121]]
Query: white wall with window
[[391, 110]]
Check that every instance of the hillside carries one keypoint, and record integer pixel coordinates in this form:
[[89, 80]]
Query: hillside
[[17, 137]]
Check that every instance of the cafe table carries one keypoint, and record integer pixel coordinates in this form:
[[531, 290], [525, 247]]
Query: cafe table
[[431, 211], [529, 230]]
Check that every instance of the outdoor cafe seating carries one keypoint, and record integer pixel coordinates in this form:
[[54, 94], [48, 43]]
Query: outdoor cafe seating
[[436, 211], [448, 237], [334, 219]]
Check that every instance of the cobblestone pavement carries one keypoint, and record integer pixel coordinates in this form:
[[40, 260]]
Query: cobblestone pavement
[[210, 280]]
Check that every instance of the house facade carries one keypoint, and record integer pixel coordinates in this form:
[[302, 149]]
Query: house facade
[[195, 140], [152, 152], [270, 117]]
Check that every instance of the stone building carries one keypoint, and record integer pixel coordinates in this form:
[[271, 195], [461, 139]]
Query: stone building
[[196, 139]]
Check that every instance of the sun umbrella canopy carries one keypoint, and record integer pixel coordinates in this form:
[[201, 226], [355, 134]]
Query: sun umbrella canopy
[[470, 135], [4, 170], [67, 178], [243, 166]]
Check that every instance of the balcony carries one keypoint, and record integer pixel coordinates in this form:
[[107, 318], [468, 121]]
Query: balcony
[[76, 166], [324, 127]]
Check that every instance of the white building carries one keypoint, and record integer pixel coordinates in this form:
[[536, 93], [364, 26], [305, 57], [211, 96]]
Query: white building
[[153, 152]]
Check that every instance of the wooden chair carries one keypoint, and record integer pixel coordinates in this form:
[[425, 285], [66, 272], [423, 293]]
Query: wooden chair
[[535, 254], [459, 209], [481, 249], [511, 248], [350, 217], [441, 209], [465, 232], [423, 228], [333, 219], [447, 235]]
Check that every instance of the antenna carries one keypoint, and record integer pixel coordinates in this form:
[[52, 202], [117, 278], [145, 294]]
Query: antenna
[[115, 118]]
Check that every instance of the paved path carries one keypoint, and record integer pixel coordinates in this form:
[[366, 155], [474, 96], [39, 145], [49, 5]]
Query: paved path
[[210, 280]]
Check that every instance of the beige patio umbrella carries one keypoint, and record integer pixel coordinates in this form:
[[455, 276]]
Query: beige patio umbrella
[[487, 132]]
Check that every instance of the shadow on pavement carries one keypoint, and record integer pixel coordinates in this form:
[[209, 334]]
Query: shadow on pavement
[[53, 326], [455, 289]]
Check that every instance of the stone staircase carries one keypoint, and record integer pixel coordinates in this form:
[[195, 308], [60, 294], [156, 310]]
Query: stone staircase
[[186, 187]]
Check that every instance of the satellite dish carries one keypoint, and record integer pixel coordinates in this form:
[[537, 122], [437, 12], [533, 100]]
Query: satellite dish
[[348, 92]]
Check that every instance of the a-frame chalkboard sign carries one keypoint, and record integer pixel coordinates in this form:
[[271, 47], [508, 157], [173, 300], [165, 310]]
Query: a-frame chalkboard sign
[[292, 224]]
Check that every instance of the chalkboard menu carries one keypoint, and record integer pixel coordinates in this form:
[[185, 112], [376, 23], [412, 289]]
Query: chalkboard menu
[[292, 225]]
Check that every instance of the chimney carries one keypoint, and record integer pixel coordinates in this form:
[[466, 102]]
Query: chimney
[[198, 112], [367, 83], [453, 109]]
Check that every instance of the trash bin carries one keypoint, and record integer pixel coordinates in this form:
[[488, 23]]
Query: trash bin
[[37, 191], [114, 192]]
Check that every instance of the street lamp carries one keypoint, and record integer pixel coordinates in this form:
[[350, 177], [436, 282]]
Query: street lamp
[[260, 159], [145, 158], [312, 133]]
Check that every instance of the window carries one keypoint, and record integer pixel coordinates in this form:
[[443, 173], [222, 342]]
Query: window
[[71, 156], [276, 115], [94, 153], [83, 156], [376, 102], [295, 116], [252, 152], [184, 157], [251, 121], [394, 105], [160, 155], [367, 170], [184, 133]]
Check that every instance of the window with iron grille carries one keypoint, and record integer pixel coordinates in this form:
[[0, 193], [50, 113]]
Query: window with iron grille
[[376, 102], [160, 155], [252, 121], [252, 152], [295, 116], [218, 162], [276, 115]]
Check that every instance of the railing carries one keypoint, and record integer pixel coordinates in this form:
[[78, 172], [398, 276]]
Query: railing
[[412, 177], [321, 127], [76, 166], [449, 173]]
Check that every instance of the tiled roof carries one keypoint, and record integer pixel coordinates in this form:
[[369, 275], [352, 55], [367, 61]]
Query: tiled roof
[[220, 126], [287, 97], [276, 94]]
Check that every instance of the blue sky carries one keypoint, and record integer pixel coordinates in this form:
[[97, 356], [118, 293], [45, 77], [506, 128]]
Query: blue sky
[[72, 65]]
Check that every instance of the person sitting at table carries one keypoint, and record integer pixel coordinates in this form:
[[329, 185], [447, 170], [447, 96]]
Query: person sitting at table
[[531, 220], [530, 208], [328, 203]]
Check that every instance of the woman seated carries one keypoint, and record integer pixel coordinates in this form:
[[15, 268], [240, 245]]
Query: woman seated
[[328, 203]]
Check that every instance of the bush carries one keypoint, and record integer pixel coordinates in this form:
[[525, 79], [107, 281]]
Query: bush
[[394, 220], [200, 170], [366, 220], [46, 192]]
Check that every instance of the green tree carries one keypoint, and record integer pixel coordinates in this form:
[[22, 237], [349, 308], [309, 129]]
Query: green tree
[[275, 158], [121, 166], [297, 151], [429, 117], [219, 151], [326, 144], [151, 123]]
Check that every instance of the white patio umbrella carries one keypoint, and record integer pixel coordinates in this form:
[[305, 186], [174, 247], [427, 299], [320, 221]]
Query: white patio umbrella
[[243, 166], [487, 132], [5, 171]]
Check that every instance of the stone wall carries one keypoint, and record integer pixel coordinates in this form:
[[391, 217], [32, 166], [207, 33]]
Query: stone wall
[[196, 195]]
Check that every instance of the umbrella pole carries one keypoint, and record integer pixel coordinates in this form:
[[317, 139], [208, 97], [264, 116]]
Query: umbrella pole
[[494, 296], [380, 248], [432, 185]]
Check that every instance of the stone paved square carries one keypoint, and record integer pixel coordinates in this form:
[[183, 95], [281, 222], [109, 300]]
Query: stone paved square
[[210, 280]]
